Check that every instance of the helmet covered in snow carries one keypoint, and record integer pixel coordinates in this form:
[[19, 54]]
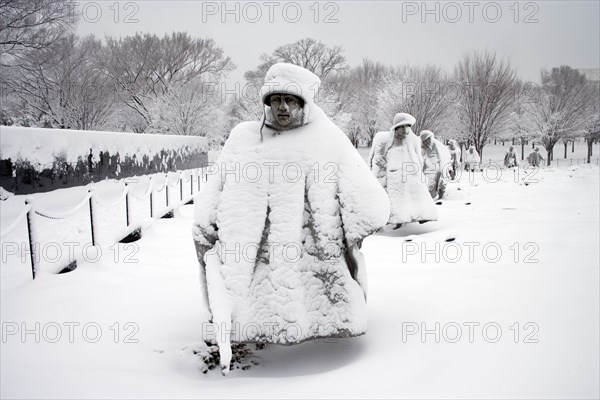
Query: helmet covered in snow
[[424, 135], [284, 78], [287, 78], [267, 100], [403, 119]]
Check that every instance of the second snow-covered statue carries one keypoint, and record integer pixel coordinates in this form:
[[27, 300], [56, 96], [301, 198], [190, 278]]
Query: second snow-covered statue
[[436, 164], [397, 162], [279, 223]]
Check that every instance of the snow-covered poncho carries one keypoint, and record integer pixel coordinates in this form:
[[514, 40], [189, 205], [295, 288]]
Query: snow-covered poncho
[[437, 158], [378, 156], [510, 159], [534, 158], [436, 165], [399, 169], [471, 158], [282, 219], [455, 156]]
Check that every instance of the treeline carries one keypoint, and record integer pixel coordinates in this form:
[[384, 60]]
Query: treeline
[[174, 84], [482, 99]]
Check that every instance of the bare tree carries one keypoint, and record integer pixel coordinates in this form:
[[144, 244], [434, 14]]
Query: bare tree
[[360, 97], [563, 106], [419, 91], [193, 109], [144, 66], [308, 53], [32, 24], [591, 127], [183, 110], [486, 95], [520, 124], [59, 84], [247, 106]]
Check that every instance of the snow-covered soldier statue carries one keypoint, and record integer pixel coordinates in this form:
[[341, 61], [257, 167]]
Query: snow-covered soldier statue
[[436, 164], [397, 163], [454, 158], [510, 158], [535, 158], [279, 223], [472, 160]]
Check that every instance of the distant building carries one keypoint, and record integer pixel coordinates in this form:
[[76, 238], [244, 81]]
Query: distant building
[[592, 74]]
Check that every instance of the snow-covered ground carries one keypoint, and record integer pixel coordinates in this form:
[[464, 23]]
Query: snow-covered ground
[[499, 298]]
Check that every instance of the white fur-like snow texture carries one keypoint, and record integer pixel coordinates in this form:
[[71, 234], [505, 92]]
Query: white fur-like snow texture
[[283, 218], [399, 169]]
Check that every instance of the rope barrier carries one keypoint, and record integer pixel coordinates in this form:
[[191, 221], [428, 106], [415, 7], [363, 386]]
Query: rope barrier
[[105, 204], [146, 193], [60, 214], [32, 207], [164, 184], [172, 184]]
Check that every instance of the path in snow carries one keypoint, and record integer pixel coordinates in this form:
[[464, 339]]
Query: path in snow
[[140, 303]]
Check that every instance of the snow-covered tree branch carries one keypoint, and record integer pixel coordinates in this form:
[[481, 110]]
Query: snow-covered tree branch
[[486, 95]]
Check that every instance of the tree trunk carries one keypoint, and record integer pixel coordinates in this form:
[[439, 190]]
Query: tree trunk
[[573, 146], [550, 153], [522, 150], [513, 141], [589, 150], [566, 144]]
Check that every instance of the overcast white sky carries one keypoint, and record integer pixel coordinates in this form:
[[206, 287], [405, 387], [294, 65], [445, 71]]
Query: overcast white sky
[[533, 34]]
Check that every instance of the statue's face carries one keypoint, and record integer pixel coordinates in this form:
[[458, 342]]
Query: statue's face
[[402, 131], [285, 107], [425, 144]]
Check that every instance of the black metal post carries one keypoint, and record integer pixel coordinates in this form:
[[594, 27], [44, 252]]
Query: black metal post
[[92, 220], [127, 204], [31, 246]]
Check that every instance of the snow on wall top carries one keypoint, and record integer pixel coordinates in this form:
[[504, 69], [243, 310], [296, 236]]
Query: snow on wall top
[[41, 144]]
